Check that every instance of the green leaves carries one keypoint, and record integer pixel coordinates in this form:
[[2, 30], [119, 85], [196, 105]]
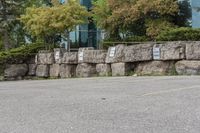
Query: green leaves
[[127, 15], [42, 21]]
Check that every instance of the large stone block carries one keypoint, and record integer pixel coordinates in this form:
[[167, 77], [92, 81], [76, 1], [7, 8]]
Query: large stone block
[[155, 68], [54, 70], [121, 69], [103, 69], [31, 60], [193, 50], [188, 67], [93, 56], [86, 70], [58, 54], [171, 51], [42, 71], [32, 69], [70, 58], [67, 70], [15, 70], [81, 53], [141, 52], [45, 58], [115, 54]]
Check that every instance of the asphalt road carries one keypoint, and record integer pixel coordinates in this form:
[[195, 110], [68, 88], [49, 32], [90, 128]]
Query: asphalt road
[[101, 105]]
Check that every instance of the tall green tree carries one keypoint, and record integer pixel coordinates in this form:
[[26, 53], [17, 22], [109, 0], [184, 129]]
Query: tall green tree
[[43, 22], [9, 11], [124, 14]]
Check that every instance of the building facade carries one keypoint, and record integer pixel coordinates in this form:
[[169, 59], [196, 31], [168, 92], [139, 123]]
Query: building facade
[[86, 35], [195, 13]]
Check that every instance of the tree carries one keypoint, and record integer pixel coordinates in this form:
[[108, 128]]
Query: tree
[[184, 15], [9, 10], [123, 14], [59, 18]]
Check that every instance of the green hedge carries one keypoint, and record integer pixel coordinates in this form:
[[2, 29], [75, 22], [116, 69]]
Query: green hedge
[[180, 34], [21, 53], [127, 41]]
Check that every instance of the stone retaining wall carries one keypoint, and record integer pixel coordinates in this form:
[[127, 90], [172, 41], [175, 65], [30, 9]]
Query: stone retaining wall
[[142, 59]]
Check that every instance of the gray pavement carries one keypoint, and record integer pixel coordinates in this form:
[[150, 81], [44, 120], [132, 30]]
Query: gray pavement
[[101, 105]]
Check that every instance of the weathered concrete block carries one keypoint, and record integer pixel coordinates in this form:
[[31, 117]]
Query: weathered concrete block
[[42, 71], [54, 70], [193, 50], [86, 70], [58, 54], [70, 58], [115, 54], [45, 58], [141, 52], [32, 69], [121, 69], [103, 69], [188, 67], [15, 70], [171, 50], [155, 68], [93, 56], [67, 70]]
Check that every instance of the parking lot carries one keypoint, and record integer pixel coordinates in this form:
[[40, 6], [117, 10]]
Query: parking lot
[[101, 105]]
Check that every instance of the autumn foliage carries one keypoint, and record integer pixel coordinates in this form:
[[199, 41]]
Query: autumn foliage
[[127, 15]]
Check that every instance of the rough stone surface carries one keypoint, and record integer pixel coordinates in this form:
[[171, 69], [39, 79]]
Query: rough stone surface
[[15, 70], [94, 56], [188, 67], [103, 69], [58, 54], [70, 58], [121, 69], [171, 50], [45, 58], [67, 71], [155, 68], [42, 71], [81, 53], [118, 54], [32, 69], [141, 52], [193, 51], [86, 70], [54, 70]]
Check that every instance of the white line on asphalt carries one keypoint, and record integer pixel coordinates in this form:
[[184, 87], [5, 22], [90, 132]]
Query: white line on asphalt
[[172, 90]]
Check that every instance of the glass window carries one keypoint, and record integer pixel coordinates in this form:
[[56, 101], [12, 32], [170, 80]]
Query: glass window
[[196, 13]]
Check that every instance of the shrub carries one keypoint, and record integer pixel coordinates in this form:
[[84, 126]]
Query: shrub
[[137, 39], [127, 41], [180, 34], [21, 53]]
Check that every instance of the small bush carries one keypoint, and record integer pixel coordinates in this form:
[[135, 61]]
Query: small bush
[[180, 34], [127, 41], [137, 39], [21, 53]]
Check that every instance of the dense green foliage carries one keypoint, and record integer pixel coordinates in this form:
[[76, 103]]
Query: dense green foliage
[[180, 34], [125, 18], [21, 53], [58, 19]]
